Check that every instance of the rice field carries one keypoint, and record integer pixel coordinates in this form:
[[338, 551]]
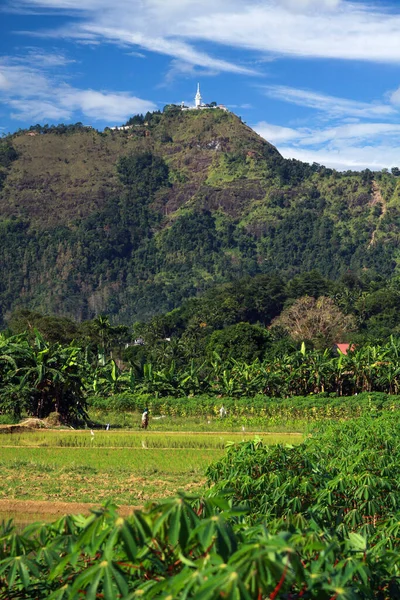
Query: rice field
[[126, 439], [129, 468]]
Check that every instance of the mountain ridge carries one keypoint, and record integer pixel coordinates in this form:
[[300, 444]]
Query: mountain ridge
[[131, 222]]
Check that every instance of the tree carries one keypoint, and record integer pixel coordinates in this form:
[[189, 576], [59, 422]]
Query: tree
[[316, 320], [104, 336], [7, 153], [241, 341], [41, 378], [145, 173], [52, 381], [308, 284], [135, 120], [53, 328], [265, 296], [14, 351]]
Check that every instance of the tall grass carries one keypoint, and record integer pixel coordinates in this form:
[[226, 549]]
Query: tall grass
[[142, 441], [88, 461]]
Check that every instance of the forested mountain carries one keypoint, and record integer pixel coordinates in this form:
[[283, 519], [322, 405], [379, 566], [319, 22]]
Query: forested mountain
[[131, 222]]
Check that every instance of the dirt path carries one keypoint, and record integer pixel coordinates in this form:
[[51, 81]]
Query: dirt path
[[54, 509]]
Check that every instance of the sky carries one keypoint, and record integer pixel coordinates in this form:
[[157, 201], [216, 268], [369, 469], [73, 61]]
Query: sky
[[319, 79]]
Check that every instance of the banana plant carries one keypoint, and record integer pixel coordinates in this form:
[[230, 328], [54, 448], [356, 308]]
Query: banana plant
[[110, 379], [54, 379], [189, 381]]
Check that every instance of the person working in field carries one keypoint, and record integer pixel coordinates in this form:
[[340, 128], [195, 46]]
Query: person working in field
[[145, 418]]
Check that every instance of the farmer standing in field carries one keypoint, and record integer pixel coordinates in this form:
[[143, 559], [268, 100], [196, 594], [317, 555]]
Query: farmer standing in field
[[145, 418]]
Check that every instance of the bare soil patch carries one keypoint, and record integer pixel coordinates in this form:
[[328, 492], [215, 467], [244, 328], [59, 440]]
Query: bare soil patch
[[56, 509]]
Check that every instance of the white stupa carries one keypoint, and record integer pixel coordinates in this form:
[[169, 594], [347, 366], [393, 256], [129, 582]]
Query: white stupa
[[197, 98], [198, 104]]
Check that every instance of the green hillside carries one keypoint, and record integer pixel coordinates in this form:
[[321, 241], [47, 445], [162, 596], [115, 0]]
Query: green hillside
[[132, 222]]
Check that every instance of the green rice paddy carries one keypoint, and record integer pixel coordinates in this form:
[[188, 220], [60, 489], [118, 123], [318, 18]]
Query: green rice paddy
[[126, 439], [128, 468]]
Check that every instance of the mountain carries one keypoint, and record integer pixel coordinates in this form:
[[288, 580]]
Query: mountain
[[130, 222]]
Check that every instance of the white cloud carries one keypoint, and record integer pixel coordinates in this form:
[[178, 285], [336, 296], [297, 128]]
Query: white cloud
[[333, 105], [353, 31], [103, 106], [304, 28], [4, 83], [176, 48], [314, 137], [38, 58], [360, 131], [23, 81], [395, 97], [350, 146], [350, 141], [346, 157], [275, 133], [35, 95], [137, 54], [305, 5], [35, 110]]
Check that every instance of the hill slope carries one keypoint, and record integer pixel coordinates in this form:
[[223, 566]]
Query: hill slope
[[131, 222]]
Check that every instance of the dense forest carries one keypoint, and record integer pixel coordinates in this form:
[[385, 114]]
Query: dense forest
[[257, 335], [132, 222], [243, 319]]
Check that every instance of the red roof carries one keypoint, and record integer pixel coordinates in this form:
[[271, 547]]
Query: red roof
[[344, 348]]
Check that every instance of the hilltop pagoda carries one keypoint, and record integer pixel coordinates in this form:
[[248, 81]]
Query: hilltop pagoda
[[198, 104]]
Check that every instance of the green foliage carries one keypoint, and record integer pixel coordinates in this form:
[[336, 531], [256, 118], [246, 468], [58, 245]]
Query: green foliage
[[301, 372], [252, 300], [41, 378], [319, 520], [148, 120], [174, 551], [7, 153], [344, 477], [134, 222], [308, 284], [60, 129], [190, 231], [243, 342], [145, 172], [54, 329], [259, 411]]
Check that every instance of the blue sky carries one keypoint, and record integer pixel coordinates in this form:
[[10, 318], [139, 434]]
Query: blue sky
[[320, 79]]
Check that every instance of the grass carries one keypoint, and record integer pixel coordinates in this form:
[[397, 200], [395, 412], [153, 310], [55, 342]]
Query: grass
[[127, 467], [127, 476], [126, 439], [60, 169], [206, 424]]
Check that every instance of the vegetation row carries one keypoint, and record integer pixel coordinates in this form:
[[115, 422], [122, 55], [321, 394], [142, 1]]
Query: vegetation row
[[39, 378]]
